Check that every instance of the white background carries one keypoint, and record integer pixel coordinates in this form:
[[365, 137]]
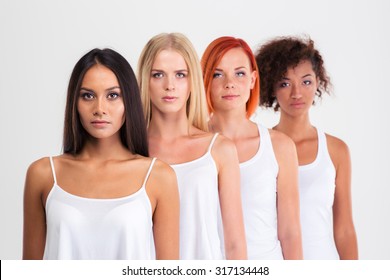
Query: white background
[[40, 41]]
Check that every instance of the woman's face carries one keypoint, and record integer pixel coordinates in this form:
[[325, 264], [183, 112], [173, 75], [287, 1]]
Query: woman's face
[[100, 103], [295, 92], [169, 84], [232, 81]]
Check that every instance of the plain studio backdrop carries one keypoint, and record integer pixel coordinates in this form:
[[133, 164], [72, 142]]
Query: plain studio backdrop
[[40, 42]]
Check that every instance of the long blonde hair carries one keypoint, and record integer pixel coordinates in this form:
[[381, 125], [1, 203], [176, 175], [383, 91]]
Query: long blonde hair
[[196, 105]]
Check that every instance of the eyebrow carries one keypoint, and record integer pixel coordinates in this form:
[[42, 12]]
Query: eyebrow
[[158, 70], [235, 69], [111, 88], [304, 76]]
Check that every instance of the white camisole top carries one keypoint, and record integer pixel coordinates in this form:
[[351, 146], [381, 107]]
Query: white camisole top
[[199, 208], [258, 192], [98, 229], [316, 191]]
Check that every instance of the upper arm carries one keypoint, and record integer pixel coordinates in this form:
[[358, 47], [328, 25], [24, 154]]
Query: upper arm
[[289, 231], [287, 181], [343, 228], [34, 220], [342, 206], [225, 154], [162, 185]]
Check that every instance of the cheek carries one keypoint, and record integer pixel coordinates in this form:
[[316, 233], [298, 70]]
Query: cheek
[[153, 90], [280, 96], [184, 85], [121, 111], [81, 111]]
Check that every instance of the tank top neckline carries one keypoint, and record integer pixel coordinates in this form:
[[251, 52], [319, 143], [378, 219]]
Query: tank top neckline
[[114, 199], [320, 143], [121, 198], [208, 152], [260, 149]]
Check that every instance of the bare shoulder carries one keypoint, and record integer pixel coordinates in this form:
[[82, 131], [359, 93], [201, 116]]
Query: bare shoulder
[[40, 169], [223, 145], [281, 142], [224, 152], [162, 171], [39, 175], [337, 148], [336, 143]]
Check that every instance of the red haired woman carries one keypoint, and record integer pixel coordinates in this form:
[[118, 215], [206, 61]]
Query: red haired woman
[[268, 160]]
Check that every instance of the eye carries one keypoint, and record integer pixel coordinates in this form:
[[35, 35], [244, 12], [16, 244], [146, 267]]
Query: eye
[[307, 82], [284, 84], [157, 75], [181, 75], [87, 95], [240, 74], [217, 75], [113, 95]]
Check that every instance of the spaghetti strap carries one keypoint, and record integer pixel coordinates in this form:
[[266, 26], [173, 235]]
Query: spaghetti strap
[[212, 142], [53, 170], [149, 171], [322, 145]]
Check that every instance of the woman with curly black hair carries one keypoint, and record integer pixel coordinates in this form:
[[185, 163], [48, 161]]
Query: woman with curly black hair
[[292, 75]]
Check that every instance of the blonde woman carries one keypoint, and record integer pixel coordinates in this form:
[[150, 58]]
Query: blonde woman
[[206, 164]]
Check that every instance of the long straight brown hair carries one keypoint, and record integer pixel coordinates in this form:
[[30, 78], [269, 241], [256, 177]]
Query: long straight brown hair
[[133, 131]]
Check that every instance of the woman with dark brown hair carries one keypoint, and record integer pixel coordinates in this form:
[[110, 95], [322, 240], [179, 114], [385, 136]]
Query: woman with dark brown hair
[[292, 76], [103, 198]]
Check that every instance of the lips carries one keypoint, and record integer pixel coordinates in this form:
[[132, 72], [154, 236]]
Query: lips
[[99, 123], [169, 98], [230, 96], [298, 104]]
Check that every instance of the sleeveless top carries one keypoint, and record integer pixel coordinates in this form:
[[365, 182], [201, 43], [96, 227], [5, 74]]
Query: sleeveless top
[[94, 228], [199, 208], [258, 193], [316, 191]]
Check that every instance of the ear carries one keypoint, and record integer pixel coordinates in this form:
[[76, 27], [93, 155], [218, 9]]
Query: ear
[[253, 79]]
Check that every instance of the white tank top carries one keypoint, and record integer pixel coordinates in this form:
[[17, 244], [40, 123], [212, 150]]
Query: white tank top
[[258, 192], [89, 228], [199, 208], [316, 190]]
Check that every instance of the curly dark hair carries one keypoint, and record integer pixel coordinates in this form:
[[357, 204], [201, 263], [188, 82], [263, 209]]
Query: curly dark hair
[[277, 55]]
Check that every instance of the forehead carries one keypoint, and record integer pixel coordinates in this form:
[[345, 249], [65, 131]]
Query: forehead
[[169, 59], [235, 57], [99, 75], [303, 68]]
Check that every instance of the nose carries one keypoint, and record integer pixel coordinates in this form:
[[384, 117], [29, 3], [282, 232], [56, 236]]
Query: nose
[[295, 92], [100, 108], [229, 82], [170, 84]]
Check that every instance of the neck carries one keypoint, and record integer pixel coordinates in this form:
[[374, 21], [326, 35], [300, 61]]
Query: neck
[[105, 149], [294, 127], [168, 126], [232, 123]]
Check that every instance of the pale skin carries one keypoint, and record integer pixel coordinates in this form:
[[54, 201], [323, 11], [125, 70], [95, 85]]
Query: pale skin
[[230, 91], [101, 170], [295, 94], [169, 90]]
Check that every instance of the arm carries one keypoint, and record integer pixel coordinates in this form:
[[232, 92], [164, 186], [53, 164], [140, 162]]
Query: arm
[[343, 228], [162, 185], [225, 155], [289, 228], [34, 221]]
